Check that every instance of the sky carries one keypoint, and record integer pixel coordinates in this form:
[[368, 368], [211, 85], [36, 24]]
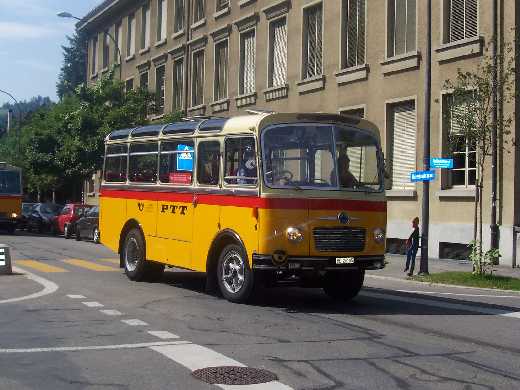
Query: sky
[[31, 36]]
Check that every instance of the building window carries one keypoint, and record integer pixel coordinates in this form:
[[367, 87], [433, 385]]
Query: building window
[[198, 10], [161, 20], [178, 24], [278, 53], [130, 36], [129, 85], [197, 72], [143, 81], [159, 89], [401, 34], [178, 84], [353, 33], [312, 41], [94, 54], [106, 49], [463, 152], [119, 39], [222, 4], [145, 27], [460, 19], [247, 62], [221, 69], [403, 128]]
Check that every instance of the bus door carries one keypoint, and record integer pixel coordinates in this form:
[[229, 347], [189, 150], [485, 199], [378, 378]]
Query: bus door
[[175, 205], [206, 208]]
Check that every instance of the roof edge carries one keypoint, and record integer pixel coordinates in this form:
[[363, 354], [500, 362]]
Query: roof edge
[[95, 13]]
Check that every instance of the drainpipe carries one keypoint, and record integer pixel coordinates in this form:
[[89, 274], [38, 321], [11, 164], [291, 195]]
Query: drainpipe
[[187, 27], [494, 133]]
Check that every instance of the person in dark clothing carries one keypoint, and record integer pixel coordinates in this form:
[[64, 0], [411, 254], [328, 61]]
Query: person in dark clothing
[[412, 246]]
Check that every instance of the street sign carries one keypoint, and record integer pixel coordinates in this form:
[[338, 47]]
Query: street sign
[[422, 176], [444, 163]]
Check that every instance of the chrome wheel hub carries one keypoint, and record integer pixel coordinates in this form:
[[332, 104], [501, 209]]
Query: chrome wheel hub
[[233, 272], [132, 254]]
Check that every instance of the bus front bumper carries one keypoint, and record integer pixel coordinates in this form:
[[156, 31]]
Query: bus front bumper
[[8, 222], [312, 263]]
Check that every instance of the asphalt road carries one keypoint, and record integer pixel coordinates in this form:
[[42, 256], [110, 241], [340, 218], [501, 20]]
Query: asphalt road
[[72, 320]]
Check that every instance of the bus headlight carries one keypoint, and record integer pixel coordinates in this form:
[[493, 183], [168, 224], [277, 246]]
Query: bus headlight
[[14, 215], [379, 235], [294, 234]]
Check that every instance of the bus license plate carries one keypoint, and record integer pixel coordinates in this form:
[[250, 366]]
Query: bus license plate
[[344, 260]]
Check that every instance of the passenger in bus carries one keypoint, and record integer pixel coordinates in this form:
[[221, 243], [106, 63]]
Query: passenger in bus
[[248, 167], [209, 171], [346, 178]]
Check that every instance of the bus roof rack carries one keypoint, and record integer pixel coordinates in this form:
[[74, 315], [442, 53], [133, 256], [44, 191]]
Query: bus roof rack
[[254, 111]]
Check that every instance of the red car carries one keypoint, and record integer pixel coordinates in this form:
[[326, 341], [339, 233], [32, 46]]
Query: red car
[[65, 222]]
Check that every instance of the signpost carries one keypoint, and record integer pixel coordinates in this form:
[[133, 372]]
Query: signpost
[[443, 163], [422, 176]]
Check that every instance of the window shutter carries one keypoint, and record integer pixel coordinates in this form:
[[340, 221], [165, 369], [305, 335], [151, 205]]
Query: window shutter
[[248, 62], [179, 15], [355, 33], [463, 19], [403, 146], [313, 65], [279, 53], [471, 18]]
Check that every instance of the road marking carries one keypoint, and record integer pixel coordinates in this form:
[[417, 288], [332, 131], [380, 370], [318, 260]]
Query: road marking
[[89, 265], [194, 357], [275, 385], [71, 296], [111, 312], [459, 295], [163, 334], [444, 305], [39, 266], [113, 261], [135, 322], [91, 348], [48, 286], [93, 304]]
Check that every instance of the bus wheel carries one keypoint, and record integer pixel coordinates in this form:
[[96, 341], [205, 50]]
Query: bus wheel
[[343, 285], [234, 276], [137, 268]]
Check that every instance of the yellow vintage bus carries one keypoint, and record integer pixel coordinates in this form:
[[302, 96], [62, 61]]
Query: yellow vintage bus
[[10, 196], [266, 198]]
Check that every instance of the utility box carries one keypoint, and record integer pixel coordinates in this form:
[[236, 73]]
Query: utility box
[[5, 260]]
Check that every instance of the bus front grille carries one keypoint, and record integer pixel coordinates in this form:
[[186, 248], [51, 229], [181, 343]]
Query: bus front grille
[[339, 239]]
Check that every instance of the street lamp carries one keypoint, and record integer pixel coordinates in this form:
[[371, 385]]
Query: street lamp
[[19, 116], [70, 16]]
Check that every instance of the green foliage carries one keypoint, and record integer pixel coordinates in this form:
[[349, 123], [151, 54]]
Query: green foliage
[[469, 279], [483, 262], [171, 117], [73, 71]]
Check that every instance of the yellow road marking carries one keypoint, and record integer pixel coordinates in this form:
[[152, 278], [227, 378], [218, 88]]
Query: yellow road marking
[[40, 266], [89, 265], [113, 261]]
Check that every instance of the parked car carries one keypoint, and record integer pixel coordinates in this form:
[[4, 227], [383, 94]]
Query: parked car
[[65, 222], [88, 226], [41, 218], [26, 211]]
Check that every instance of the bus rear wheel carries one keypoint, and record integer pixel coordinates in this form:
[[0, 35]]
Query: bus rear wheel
[[345, 285], [137, 268], [235, 278]]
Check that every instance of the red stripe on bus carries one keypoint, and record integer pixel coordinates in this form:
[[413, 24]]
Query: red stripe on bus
[[249, 201], [10, 196]]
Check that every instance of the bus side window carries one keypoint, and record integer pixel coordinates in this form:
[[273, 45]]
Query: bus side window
[[176, 162], [143, 162], [208, 164], [241, 167], [115, 163]]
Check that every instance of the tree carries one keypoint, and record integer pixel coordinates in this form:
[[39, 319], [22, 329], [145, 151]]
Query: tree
[[470, 113], [74, 69]]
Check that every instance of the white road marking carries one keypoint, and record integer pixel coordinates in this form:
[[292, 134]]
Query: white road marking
[[93, 304], [163, 334], [444, 305], [274, 385], [91, 348], [459, 295], [194, 357], [134, 322], [71, 296], [111, 312], [48, 286]]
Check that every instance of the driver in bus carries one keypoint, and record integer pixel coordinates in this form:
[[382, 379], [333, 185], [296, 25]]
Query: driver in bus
[[346, 178]]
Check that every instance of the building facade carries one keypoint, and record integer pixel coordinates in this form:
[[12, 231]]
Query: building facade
[[357, 57]]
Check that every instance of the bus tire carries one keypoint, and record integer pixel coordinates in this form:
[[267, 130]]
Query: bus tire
[[235, 278], [137, 268], [345, 285]]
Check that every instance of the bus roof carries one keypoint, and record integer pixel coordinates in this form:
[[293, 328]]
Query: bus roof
[[249, 123]]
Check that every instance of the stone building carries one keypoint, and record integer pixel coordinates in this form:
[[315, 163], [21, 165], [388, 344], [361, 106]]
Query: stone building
[[358, 57]]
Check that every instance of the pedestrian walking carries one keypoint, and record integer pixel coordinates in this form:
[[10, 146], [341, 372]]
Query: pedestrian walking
[[412, 246]]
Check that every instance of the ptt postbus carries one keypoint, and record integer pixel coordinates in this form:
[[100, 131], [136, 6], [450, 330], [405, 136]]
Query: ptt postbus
[[268, 198], [10, 196]]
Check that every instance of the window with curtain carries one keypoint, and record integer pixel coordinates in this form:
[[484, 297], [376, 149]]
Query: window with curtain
[[162, 13], [354, 32], [278, 53], [178, 84], [159, 89], [401, 34], [312, 41], [403, 137], [197, 74], [178, 24], [221, 69], [461, 19], [145, 26], [247, 62]]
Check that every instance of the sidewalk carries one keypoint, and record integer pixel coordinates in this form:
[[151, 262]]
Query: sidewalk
[[396, 263]]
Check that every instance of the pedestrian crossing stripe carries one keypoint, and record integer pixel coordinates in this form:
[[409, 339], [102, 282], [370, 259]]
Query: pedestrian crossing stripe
[[40, 266], [113, 261], [89, 265]]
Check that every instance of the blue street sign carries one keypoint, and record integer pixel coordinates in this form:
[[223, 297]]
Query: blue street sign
[[422, 176], [445, 163], [185, 159]]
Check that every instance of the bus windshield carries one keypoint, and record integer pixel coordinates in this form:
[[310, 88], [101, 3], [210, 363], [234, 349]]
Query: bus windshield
[[320, 156], [10, 183]]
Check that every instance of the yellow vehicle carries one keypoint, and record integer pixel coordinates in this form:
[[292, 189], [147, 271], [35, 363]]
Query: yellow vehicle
[[10, 196], [266, 197]]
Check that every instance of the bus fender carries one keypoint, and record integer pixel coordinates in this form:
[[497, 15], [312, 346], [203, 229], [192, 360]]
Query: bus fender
[[130, 224]]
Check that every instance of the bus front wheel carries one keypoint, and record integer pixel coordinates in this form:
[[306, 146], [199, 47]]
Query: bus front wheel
[[345, 285], [137, 268], [235, 278]]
